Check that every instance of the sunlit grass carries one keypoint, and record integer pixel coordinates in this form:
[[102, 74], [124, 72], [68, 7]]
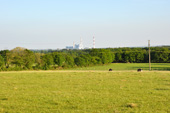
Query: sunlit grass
[[92, 92], [129, 66]]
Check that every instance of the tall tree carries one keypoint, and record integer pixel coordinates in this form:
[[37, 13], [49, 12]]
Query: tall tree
[[21, 58], [1, 62], [47, 61], [59, 59]]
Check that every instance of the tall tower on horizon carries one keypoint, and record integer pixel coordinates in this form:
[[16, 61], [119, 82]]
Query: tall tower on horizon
[[93, 42], [81, 44], [73, 45]]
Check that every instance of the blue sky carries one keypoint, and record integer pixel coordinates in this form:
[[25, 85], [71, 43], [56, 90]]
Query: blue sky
[[52, 24]]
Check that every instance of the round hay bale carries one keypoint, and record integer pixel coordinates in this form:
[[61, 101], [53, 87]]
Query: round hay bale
[[139, 70]]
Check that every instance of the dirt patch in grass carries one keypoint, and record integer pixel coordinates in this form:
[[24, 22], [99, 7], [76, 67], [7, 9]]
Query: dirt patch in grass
[[132, 105]]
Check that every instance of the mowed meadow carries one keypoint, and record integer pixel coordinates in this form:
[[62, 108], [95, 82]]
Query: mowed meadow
[[128, 67], [84, 92]]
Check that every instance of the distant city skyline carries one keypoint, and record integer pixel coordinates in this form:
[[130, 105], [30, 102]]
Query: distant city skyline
[[53, 24]]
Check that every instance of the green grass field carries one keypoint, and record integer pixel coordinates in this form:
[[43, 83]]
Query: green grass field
[[84, 92], [129, 66]]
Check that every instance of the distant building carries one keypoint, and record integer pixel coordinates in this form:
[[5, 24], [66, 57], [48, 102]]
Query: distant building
[[80, 46], [76, 46], [69, 47]]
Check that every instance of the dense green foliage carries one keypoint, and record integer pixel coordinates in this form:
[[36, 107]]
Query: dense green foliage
[[1, 62], [84, 92], [24, 59]]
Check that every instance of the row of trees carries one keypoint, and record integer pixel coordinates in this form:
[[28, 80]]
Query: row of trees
[[140, 55], [23, 59]]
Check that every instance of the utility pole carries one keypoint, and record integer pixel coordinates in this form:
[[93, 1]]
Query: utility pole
[[149, 55]]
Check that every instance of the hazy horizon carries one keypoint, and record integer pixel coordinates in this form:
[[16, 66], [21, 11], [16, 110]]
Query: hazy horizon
[[53, 24]]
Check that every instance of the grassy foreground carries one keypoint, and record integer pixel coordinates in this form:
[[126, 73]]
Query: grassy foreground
[[129, 66], [84, 92]]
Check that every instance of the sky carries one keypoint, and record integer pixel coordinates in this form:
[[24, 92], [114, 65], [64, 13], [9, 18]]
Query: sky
[[53, 24]]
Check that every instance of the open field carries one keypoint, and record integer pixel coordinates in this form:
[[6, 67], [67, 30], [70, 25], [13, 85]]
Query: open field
[[90, 92], [129, 66]]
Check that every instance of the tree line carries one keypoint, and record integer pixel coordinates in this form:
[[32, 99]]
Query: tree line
[[24, 59]]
